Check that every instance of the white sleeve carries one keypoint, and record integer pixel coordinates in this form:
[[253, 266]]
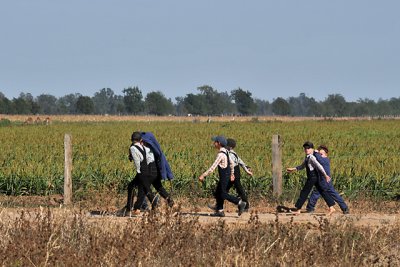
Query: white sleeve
[[136, 158]]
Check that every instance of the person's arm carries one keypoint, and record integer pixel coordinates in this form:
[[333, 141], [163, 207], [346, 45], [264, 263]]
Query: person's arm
[[213, 166], [232, 166], [136, 158], [244, 166], [298, 168], [313, 160]]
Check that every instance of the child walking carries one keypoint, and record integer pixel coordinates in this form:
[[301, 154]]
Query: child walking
[[226, 176], [321, 154], [316, 176]]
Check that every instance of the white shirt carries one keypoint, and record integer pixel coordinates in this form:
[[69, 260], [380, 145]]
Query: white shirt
[[138, 156]]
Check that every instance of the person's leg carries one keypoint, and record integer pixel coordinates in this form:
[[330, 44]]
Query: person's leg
[[144, 190], [225, 183], [129, 201], [240, 190], [312, 201], [218, 197], [337, 198], [305, 191], [322, 189], [162, 191]]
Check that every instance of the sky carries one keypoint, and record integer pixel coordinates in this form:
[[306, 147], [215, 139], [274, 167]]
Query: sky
[[273, 49]]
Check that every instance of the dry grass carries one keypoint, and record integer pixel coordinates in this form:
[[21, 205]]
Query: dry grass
[[107, 118], [166, 239]]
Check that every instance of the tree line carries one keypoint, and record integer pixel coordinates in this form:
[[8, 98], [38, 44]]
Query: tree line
[[207, 101]]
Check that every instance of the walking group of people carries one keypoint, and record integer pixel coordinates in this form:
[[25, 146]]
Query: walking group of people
[[152, 167]]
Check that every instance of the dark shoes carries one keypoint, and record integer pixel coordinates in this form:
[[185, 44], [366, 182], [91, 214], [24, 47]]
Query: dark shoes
[[218, 213], [170, 202], [346, 211], [124, 212], [212, 207], [241, 207]]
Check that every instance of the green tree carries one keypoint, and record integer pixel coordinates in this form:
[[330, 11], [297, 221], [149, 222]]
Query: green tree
[[105, 102], [47, 104], [335, 105], [84, 105], [304, 106], [156, 103], [263, 107], [195, 104], [280, 107], [133, 100], [244, 102], [6, 106], [24, 104], [67, 104]]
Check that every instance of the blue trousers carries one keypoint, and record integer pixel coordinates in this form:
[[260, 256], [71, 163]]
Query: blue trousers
[[332, 192]]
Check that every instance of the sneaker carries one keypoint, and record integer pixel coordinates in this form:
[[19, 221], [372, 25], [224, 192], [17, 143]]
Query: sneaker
[[212, 207], [241, 207], [218, 213], [122, 212], [346, 211], [310, 211]]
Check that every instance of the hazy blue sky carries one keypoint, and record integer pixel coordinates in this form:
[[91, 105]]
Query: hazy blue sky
[[271, 48]]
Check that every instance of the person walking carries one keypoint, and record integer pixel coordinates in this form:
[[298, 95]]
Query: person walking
[[226, 175], [164, 171], [146, 173], [316, 176], [237, 163], [321, 154]]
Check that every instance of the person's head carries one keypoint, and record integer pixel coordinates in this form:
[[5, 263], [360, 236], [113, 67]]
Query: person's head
[[323, 150], [219, 141], [136, 137], [230, 143], [308, 147]]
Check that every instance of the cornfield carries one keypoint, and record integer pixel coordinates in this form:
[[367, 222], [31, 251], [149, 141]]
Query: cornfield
[[364, 155]]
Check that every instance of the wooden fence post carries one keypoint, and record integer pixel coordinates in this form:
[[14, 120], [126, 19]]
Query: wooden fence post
[[276, 165], [68, 169]]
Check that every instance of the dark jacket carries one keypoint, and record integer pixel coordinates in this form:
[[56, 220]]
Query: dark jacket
[[161, 160]]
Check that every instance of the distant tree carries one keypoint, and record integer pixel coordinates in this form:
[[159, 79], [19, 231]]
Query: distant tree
[[156, 103], [24, 104], [244, 102], [280, 107], [119, 104], [104, 102], [84, 105], [67, 104], [215, 103], [304, 106], [47, 104], [335, 105], [196, 104], [263, 107], [133, 100], [394, 104], [180, 106], [6, 106]]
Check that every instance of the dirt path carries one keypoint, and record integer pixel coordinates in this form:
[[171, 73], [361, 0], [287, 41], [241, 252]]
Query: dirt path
[[204, 216]]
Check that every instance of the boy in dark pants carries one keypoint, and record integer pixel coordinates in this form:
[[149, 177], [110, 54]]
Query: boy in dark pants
[[146, 173], [226, 176], [316, 176], [237, 163], [321, 155]]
